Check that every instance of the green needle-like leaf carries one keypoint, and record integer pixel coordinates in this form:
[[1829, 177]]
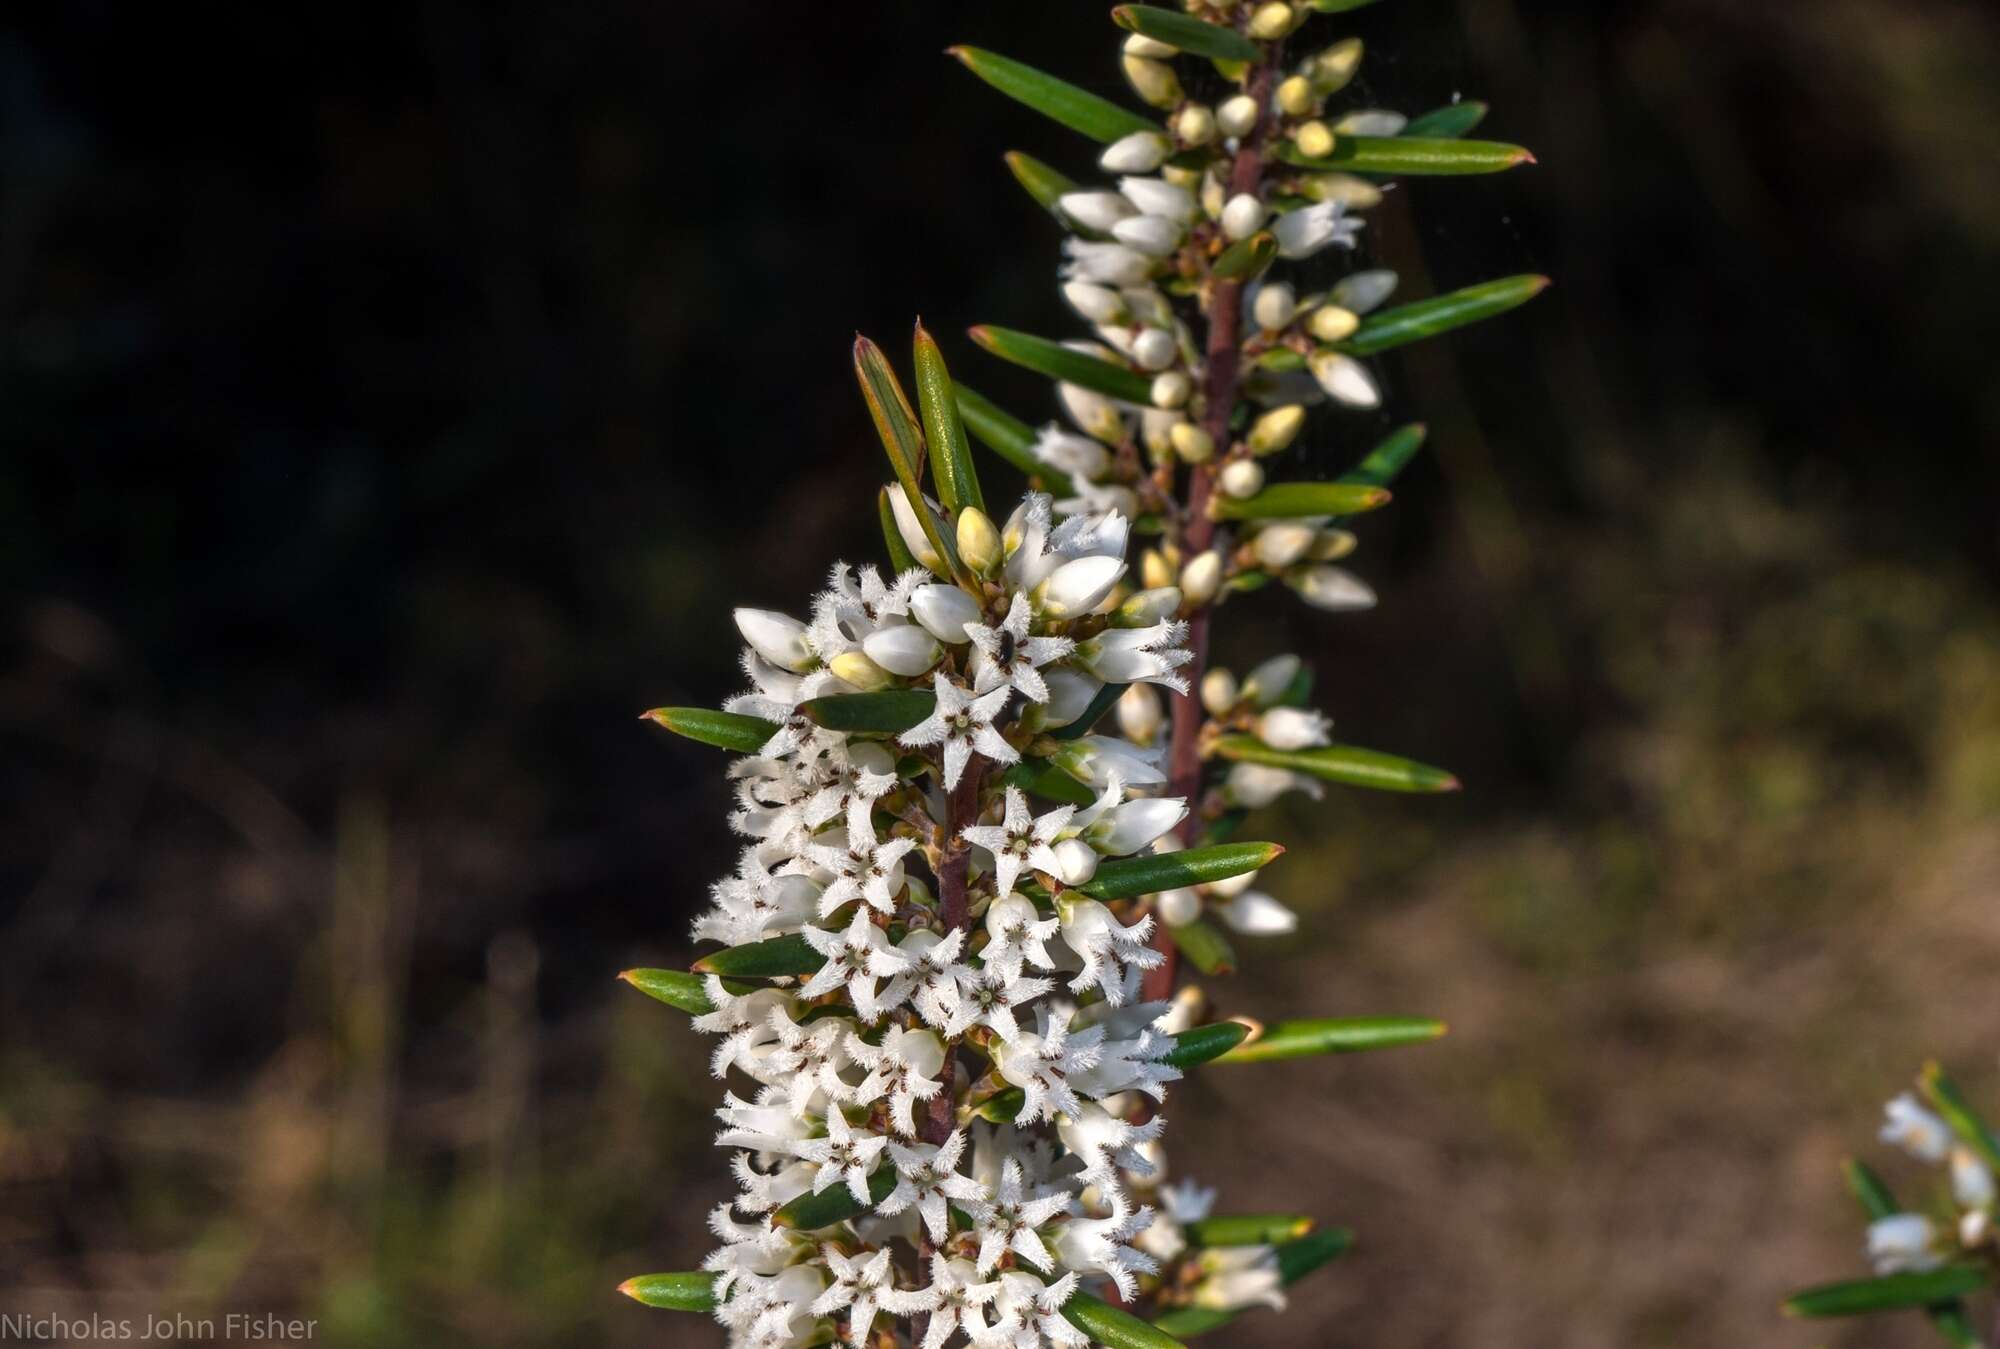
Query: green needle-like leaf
[[1246, 257], [1202, 1043], [890, 711], [1248, 1229], [1099, 705], [1946, 1098], [1078, 109], [1302, 500], [679, 988], [1046, 185], [1349, 764], [1058, 362], [693, 1291], [1010, 438], [1388, 459], [951, 457], [1950, 1321], [724, 730], [1338, 6], [1044, 779], [1114, 1328], [1415, 155], [810, 1212], [1124, 877], [900, 557], [1891, 1292], [1870, 1191], [1440, 314], [1185, 32], [1334, 1035], [896, 424], [763, 959], [1296, 1259], [1204, 946], [1450, 121]]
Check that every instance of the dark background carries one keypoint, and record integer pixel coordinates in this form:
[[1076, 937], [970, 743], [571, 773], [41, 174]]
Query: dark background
[[395, 399]]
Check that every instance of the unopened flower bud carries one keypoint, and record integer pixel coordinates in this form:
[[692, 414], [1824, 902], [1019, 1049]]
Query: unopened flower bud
[[1138, 44], [1157, 196], [1146, 607], [1155, 571], [1097, 211], [1154, 349], [1314, 139], [978, 541], [1071, 693], [944, 610], [1139, 713], [1219, 693], [1334, 589], [1156, 430], [1153, 235], [1371, 122], [1971, 1179], [1274, 306], [1177, 907], [903, 648], [1201, 578], [1330, 545], [1267, 683], [911, 528], [1076, 861], [1256, 914], [1195, 125], [1153, 81], [1269, 22], [1331, 323], [1171, 390], [1293, 728], [1363, 291], [1099, 304], [1241, 478], [1077, 587], [854, 667], [1279, 544], [1213, 196], [1242, 216], [1140, 152], [1094, 414], [1356, 194], [1334, 67], [1192, 443], [1237, 116], [1345, 379], [1276, 429], [1295, 96], [778, 638]]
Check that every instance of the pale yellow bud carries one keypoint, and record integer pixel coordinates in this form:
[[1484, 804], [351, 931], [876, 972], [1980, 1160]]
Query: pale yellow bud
[[1195, 125], [1334, 67], [1331, 323], [1357, 194], [1153, 81], [1218, 692], [1271, 21], [1295, 96], [978, 541], [1237, 116], [1156, 429], [1242, 478], [1214, 196], [1155, 570], [1314, 139], [1189, 179], [1331, 545], [1201, 578], [1192, 443], [1276, 429], [855, 668], [1140, 45], [1171, 389], [1139, 713]]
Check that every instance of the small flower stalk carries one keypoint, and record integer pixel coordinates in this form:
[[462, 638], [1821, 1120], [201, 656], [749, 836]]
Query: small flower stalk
[[989, 795]]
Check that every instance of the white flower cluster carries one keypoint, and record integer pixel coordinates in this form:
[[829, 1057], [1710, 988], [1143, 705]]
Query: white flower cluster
[[975, 1100], [1914, 1241]]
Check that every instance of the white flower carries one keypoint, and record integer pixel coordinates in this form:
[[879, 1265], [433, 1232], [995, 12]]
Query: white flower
[[1018, 935], [1140, 152], [743, 1022], [988, 997], [1155, 236], [860, 773], [1076, 587], [1090, 930], [1097, 211], [1255, 785], [1158, 197], [1073, 454], [1360, 292], [1098, 304], [1008, 1221], [905, 649], [903, 1068], [1256, 914], [1971, 1179], [1915, 1130], [1006, 656], [931, 979], [1071, 692], [1076, 861], [927, 1179], [1041, 1064], [1306, 231], [777, 638], [1095, 759], [1240, 1276], [762, 1127], [1021, 841], [1105, 1143], [1242, 215], [1106, 264], [954, 1299], [1334, 589], [1283, 542], [1138, 655], [1371, 122], [1902, 1242], [911, 527], [1345, 379], [1031, 1314], [859, 1284], [944, 610], [807, 1061], [1293, 728], [1098, 1246], [846, 1155], [1132, 825], [963, 723], [863, 866], [857, 956]]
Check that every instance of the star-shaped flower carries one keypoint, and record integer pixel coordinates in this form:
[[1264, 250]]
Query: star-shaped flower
[[860, 1284], [1099, 1245], [963, 722], [931, 982], [902, 1068], [1018, 936], [954, 1300], [808, 1059], [1021, 840], [1009, 1220], [1006, 655], [856, 956], [988, 997], [864, 867], [1105, 1142], [1032, 1314], [1041, 1065], [1105, 944], [844, 1155], [743, 1023], [927, 1179]]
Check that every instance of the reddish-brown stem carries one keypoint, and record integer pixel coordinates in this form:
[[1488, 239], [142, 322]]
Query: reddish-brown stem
[[955, 856], [1224, 354]]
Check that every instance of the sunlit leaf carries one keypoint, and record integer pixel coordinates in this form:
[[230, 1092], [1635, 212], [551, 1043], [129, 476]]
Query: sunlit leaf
[[1114, 1328], [679, 988], [1349, 764], [1248, 1229], [1043, 778], [889, 711], [1078, 109], [1185, 32], [835, 1204], [951, 457], [693, 1291], [1302, 500], [1415, 155], [1199, 1044], [763, 959], [1388, 459], [1333, 1035], [724, 730], [1058, 362], [1890, 1292], [1408, 323], [896, 424], [1148, 873], [1010, 438], [1044, 184]]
